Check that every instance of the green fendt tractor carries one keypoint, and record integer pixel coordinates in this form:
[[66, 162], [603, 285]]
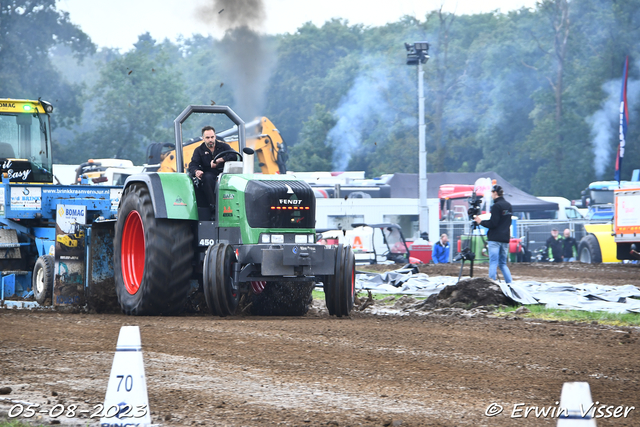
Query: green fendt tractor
[[260, 248]]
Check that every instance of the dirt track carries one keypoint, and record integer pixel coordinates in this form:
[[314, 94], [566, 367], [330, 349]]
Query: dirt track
[[317, 370]]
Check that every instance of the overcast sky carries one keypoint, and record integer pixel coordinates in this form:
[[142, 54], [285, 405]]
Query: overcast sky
[[118, 23]]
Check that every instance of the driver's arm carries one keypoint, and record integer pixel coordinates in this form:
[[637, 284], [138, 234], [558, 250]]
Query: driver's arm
[[194, 165]]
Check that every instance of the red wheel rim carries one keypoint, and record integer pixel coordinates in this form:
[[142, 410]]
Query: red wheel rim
[[353, 281], [132, 252]]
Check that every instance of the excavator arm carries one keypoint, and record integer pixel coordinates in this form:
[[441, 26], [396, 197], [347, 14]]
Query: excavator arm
[[262, 136]]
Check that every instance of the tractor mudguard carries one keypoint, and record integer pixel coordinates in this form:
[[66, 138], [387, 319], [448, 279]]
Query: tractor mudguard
[[172, 194]]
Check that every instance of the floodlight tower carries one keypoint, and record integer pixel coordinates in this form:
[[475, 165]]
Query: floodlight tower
[[418, 54]]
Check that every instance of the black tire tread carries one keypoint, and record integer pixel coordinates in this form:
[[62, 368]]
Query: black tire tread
[[217, 270], [210, 295], [331, 283], [591, 243], [344, 295], [169, 256], [46, 263]]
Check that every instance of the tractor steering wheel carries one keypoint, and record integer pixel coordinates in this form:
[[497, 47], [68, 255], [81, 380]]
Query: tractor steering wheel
[[222, 153]]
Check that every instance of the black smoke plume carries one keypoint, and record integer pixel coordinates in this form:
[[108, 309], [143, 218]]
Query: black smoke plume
[[245, 60]]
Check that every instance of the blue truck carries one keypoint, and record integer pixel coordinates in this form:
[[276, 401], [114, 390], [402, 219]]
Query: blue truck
[[49, 233], [598, 197]]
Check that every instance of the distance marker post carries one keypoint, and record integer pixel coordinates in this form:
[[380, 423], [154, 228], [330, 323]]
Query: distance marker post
[[126, 400]]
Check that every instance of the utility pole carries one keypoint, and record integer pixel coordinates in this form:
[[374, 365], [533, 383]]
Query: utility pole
[[417, 53]]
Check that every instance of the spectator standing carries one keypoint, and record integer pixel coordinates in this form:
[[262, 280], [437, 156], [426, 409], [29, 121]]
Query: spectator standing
[[569, 247], [554, 246], [441, 250], [498, 235]]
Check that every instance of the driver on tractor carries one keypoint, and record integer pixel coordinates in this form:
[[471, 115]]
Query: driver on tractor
[[204, 165]]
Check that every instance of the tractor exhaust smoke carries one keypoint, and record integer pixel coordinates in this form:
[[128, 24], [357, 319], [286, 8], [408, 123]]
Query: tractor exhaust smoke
[[246, 60]]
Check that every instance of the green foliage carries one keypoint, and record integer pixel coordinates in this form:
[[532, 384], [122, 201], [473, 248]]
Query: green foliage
[[137, 95], [199, 64], [312, 153], [305, 59], [28, 30]]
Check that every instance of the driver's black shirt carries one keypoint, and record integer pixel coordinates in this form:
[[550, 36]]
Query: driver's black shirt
[[202, 156]]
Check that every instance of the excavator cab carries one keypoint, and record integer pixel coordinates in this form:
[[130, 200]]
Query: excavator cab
[[25, 141]]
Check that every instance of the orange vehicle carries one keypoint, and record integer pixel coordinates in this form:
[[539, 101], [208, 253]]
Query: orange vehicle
[[454, 201], [626, 223]]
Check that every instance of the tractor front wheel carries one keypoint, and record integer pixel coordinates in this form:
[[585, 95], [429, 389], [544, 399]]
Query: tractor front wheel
[[217, 279], [339, 289], [153, 258]]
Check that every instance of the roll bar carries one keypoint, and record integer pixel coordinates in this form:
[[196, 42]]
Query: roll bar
[[211, 109]]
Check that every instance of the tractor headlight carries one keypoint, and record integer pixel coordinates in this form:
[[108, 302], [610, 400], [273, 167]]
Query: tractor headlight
[[266, 238], [312, 238], [301, 238], [277, 238]]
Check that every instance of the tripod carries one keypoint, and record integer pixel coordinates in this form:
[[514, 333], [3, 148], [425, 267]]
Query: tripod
[[467, 253]]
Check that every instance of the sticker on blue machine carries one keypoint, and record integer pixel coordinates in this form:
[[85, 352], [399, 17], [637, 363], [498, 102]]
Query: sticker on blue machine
[[295, 250], [114, 195], [26, 198], [70, 215]]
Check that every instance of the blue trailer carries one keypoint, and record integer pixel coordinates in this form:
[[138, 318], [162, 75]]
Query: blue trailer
[[38, 256]]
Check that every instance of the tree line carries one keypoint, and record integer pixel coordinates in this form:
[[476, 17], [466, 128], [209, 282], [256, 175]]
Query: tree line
[[531, 94]]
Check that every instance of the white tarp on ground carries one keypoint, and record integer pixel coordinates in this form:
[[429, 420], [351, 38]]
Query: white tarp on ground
[[585, 296]]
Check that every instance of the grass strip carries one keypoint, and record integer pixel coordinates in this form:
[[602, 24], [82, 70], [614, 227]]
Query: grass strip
[[601, 317]]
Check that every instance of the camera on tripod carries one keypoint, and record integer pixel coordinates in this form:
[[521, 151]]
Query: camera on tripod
[[475, 209], [466, 255], [475, 202]]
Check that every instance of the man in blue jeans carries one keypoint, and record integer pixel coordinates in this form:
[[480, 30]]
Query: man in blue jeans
[[498, 234]]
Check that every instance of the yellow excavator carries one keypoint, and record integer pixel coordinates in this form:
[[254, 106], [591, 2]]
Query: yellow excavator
[[262, 136], [71, 239]]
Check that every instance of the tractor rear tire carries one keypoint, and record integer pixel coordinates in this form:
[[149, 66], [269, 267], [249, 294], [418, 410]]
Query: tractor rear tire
[[219, 291], [42, 279], [283, 299], [153, 258], [346, 291], [589, 250], [330, 283], [340, 288]]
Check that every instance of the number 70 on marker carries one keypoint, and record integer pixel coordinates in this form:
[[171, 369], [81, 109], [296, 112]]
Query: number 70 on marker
[[125, 381]]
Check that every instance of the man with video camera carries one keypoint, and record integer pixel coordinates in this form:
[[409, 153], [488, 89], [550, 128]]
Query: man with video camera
[[498, 235]]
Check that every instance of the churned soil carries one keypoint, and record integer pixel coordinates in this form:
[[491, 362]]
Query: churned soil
[[440, 367]]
